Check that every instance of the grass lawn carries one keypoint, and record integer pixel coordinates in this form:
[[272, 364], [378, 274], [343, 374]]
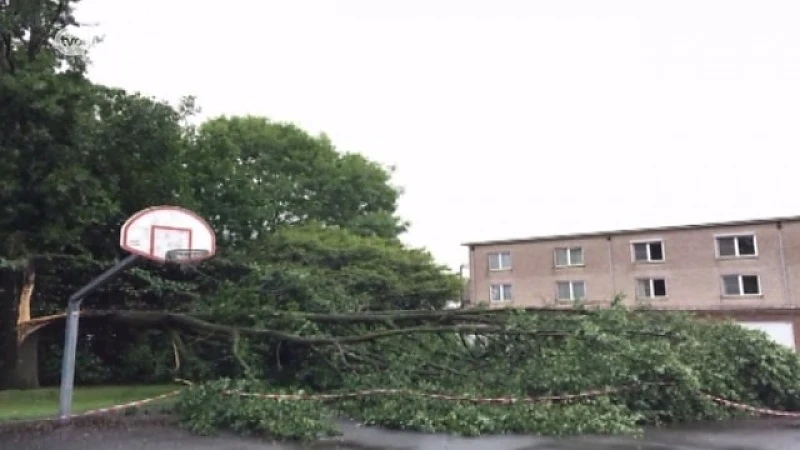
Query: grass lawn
[[44, 402]]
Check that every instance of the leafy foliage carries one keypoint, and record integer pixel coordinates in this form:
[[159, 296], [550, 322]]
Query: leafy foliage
[[204, 411], [40, 211], [601, 416], [313, 268], [254, 175], [27, 29]]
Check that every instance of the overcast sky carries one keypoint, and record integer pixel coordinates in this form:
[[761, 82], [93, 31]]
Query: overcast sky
[[504, 118]]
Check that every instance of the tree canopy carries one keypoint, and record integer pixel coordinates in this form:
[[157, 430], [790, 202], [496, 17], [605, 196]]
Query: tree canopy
[[252, 176]]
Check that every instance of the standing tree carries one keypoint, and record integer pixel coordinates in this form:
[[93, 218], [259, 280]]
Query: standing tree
[[39, 110], [75, 159], [254, 175], [78, 159]]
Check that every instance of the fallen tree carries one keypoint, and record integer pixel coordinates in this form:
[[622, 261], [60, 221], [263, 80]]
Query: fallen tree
[[640, 367], [633, 368], [544, 372]]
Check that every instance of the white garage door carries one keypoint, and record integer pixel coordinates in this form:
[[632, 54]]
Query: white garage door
[[780, 332]]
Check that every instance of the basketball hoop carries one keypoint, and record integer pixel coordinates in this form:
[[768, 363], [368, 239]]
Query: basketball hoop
[[186, 258], [163, 234], [168, 234]]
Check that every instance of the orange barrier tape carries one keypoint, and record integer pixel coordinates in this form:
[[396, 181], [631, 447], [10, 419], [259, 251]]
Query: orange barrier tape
[[500, 400], [120, 407], [115, 408], [106, 410], [752, 409], [460, 398], [134, 404], [447, 397]]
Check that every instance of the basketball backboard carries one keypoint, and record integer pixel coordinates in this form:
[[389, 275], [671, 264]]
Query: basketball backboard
[[151, 233]]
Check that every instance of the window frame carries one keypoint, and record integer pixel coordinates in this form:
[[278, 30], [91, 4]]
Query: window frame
[[740, 277], [651, 281], [571, 291], [736, 237], [499, 255], [567, 249], [649, 259], [503, 292]]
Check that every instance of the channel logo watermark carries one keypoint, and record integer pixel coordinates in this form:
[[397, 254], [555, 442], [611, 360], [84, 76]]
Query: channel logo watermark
[[76, 43]]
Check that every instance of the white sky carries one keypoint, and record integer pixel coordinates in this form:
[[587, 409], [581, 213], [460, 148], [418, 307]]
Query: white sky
[[505, 118]]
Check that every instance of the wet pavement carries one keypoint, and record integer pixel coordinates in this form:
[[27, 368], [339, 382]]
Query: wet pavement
[[746, 435]]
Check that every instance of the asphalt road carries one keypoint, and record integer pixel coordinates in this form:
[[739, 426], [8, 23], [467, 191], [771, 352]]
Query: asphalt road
[[752, 435]]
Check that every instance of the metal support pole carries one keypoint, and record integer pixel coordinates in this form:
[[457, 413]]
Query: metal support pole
[[68, 362], [71, 338], [463, 286]]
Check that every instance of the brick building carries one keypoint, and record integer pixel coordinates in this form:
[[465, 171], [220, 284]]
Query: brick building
[[749, 270]]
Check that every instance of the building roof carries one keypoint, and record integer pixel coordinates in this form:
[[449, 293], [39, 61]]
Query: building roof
[[560, 237]]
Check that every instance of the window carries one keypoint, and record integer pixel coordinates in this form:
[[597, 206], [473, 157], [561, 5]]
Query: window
[[736, 246], [651, 288], [648, 251], [500, 261], [500, 292], [572, 256], [741, 285], [570, 290]]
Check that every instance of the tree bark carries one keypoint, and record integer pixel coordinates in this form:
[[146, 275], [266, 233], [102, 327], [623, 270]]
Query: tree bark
[[19, 351], [26, 373], [9, 306]]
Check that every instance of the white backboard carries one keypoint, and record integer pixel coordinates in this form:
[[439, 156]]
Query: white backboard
[[154, 231]]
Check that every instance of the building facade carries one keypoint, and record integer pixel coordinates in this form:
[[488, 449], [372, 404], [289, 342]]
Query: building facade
[[739, 269]]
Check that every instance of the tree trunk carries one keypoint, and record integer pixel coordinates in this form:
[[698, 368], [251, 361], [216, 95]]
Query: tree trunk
[[19, 358], [26, 373], [9, 307]]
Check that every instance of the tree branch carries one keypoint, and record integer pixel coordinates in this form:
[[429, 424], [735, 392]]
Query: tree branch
[[189, 323], [8, 52], [377, 317]]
